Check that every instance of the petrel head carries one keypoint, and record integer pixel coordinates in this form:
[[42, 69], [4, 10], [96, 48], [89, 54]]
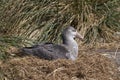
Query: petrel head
[[72, 32]]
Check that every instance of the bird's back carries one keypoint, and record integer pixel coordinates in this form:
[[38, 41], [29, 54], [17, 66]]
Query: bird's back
[[47, 51]]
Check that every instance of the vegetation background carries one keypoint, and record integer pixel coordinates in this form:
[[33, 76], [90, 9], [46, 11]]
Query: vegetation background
[[28, 22], [25, 22]]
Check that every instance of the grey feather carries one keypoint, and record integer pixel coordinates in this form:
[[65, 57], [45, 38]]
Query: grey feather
[[50, 51]]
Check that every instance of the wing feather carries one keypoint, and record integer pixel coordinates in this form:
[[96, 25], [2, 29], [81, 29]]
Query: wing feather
[[47, 51]]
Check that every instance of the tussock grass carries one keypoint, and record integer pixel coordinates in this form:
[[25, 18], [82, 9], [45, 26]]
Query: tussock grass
[[34, 21], [44, 20], [87, 67], [24, 22]]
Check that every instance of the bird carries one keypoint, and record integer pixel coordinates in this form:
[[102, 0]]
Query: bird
[[51, 51]]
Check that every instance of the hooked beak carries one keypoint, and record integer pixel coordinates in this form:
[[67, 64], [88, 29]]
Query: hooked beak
[[79, 36]]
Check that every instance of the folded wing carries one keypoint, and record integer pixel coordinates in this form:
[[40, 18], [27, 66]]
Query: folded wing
[[47, 51]]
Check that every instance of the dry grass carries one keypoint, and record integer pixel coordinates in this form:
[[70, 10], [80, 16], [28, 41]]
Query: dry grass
[[90, 65], [112, 45], [44, 20], [87, 67]]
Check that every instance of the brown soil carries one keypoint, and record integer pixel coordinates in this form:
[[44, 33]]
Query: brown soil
[[87, 67]]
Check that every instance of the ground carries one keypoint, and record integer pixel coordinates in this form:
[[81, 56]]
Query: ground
[[93, 63]]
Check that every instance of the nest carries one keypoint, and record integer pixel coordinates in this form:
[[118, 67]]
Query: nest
[[86, 67]]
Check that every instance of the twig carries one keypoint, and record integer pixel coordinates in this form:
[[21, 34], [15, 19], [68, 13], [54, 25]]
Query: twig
[[54, 72], [116, 53]]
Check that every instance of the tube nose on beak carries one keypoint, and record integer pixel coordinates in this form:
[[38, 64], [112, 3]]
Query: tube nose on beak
[[79, 36]]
